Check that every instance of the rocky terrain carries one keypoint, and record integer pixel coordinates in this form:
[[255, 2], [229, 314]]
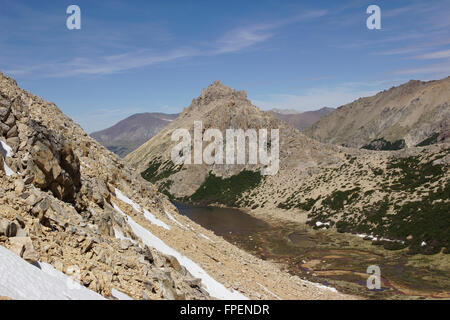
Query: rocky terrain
[[128, 134], [414, 114], [300, 120], [70, 205], [221, 107], [398, 199]]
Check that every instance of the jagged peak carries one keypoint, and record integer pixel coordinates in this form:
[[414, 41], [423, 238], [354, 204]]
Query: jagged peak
[[217, 90]]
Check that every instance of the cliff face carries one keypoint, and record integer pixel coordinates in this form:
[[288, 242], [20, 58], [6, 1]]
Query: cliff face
[[413, 112], [67, 202]]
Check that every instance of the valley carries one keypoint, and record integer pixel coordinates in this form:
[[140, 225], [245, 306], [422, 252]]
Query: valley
[[326, 256]]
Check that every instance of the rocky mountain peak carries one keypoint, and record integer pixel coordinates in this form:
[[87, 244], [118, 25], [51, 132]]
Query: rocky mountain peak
[[217, 90]]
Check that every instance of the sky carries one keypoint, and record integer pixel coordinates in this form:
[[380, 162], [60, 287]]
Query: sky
[[156, 56]]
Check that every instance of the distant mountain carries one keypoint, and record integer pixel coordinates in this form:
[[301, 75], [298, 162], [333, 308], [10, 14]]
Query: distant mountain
[[300, 120], [284, 111], [416, 113], [128, 134]]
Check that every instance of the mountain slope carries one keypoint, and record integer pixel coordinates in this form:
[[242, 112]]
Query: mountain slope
[[302, 120], [223, 108], [400, 197], [412, 112], [130, 133], [67, 201]]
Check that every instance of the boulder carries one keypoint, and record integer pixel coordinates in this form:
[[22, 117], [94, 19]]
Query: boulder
[[23, 247]]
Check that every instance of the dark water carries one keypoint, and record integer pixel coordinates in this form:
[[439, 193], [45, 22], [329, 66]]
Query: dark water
[[325, 257], [223, 221]]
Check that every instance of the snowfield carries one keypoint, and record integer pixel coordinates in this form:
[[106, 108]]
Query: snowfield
[[20, 280]]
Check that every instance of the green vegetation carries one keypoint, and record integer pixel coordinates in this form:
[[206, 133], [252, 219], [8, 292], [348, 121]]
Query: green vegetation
[[384, 145], [412, 173], [430, 140], [157, 170], [338, 198], [226, 191]]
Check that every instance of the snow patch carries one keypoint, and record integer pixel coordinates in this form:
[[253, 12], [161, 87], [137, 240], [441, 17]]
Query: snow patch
[[213, 287], [119, 235], [22, 281], [6, 152], [205, 237], [173, 219], [319, 224], [127, 200], [150, 217]]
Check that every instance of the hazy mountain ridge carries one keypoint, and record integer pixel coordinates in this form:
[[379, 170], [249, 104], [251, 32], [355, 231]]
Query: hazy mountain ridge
[[301, 120], [130, 133]]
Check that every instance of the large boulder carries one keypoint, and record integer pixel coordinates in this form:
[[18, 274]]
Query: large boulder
[[53, 165]]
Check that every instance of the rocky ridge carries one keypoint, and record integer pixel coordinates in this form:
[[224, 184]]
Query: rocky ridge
[[410, 113]]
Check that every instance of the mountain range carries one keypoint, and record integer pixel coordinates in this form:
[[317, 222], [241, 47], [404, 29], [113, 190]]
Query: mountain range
[[130, 133], [401, 196], [415, 113]]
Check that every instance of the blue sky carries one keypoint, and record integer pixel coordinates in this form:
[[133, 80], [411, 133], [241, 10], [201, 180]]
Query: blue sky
[[148, 56]]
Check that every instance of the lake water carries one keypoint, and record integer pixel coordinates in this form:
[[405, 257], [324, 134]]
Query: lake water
[[327, 257]]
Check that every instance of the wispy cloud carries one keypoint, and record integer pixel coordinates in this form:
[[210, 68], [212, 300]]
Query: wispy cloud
[[437, 70], [233, 41], [435, 55]]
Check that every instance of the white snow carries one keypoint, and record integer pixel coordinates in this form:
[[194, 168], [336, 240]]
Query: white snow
[[318, 224], [213, 287], [22, 281], [7, 149], [166, 120], [127, 200], [321, 286], [119, 235], [8, 170], [6, 152], [173, 219], [205, 237], [120, 295], [150, 217], [374, 238]]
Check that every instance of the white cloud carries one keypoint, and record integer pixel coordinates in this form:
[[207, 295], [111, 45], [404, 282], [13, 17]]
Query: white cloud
[[313, 99], [435, 55], [437, 70], [235, 40]]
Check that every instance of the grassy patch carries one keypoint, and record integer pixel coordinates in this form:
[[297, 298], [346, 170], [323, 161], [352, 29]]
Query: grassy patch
[[226, 191]]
